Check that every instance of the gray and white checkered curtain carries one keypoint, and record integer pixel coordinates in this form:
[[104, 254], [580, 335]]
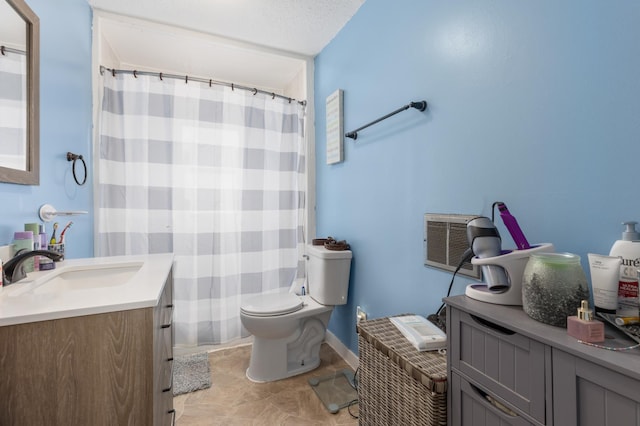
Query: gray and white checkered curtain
[[13, 110], [213, 175]]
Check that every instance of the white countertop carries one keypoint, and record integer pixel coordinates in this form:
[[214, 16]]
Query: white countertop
[[23, 302]]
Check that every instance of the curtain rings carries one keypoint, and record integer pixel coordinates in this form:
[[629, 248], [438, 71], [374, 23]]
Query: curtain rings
[[255, 91], [2, 51], [73, 157]]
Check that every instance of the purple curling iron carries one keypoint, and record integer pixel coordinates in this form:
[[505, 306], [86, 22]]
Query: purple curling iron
[[512, 226]]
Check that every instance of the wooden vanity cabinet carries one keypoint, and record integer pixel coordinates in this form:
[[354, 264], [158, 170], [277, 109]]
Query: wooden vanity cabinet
[[505, 368], [105, 369]]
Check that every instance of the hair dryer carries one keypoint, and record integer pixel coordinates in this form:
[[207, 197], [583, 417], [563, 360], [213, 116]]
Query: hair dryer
[[484, 240]]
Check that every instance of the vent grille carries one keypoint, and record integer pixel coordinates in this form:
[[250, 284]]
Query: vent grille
[[445, 241]]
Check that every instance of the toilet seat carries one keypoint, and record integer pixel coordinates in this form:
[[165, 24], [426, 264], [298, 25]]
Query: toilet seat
[[269, 305]]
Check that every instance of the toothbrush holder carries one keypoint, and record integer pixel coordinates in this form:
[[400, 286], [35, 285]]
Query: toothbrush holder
[[58, 248]]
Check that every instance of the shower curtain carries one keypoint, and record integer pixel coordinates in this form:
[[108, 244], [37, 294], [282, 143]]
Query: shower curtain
[[13, 110], [212, 174]]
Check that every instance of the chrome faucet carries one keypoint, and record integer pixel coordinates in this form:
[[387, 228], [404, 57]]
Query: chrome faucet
[[13, 270]]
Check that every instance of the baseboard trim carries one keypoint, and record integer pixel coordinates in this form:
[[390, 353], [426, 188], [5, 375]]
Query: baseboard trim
[[342, 350]]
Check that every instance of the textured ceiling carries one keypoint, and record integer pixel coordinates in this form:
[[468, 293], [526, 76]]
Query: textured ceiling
[[299, 26]]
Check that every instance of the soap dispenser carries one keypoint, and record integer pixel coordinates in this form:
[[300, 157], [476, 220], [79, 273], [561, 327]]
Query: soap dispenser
[[628, 249], [629, 236]]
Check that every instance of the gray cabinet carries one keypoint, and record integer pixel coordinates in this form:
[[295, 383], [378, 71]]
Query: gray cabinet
[[504, 368]]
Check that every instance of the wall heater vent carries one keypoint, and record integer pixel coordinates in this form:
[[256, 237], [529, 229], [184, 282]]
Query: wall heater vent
[[445, 241]]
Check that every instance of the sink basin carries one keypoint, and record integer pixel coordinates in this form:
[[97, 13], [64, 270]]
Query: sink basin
[[88, 277]]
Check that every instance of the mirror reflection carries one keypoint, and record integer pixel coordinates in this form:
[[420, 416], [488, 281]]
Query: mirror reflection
[[19, 148]]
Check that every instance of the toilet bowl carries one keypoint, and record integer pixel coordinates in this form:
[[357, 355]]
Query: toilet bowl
[[288, 329]]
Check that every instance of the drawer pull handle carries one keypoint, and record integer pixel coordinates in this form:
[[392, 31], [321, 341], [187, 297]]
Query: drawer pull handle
[[494, 402], [173, 416], [170, 317], [171, 378], [495, 327]]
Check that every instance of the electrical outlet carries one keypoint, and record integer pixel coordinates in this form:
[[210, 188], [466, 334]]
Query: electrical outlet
[[360, 314]]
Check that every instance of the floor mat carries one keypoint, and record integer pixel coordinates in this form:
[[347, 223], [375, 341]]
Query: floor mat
[[336, 391], [191, 373]]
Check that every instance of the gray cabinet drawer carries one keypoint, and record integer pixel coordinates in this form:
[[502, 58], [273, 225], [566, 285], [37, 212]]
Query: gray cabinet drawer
[[473, 406], [505, 363]]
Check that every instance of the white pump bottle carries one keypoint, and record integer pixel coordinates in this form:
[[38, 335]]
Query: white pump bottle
[[628, 249]]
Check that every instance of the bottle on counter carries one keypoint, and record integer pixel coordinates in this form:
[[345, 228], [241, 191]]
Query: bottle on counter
[[628, 249], [583, 327], [23, 240], [35, 228]]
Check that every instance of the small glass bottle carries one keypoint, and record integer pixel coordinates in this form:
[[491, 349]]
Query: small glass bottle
[[584, 327]]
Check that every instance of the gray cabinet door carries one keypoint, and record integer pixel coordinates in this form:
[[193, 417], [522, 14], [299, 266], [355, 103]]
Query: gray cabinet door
[[586, 394]]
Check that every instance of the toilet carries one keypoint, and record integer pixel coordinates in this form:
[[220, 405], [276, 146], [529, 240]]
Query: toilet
[[288, 329]]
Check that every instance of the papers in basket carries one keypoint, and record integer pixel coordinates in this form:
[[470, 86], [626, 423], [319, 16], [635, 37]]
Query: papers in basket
[[422, 334]]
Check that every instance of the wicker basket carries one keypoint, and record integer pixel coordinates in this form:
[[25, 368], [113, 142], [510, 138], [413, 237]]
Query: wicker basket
[[397, 384]]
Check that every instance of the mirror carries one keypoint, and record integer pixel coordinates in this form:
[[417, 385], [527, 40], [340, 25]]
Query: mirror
[[19, 93]]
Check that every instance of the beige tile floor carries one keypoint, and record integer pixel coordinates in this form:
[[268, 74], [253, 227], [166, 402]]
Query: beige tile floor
[[235, 400]]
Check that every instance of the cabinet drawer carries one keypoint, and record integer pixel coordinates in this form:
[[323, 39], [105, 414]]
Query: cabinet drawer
[[473, 406], [506, 364]]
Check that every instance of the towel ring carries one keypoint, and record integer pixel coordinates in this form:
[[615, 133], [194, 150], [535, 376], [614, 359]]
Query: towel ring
[[73, 157]]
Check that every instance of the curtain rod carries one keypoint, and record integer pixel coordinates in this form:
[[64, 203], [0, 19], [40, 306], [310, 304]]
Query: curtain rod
[[186, 79]]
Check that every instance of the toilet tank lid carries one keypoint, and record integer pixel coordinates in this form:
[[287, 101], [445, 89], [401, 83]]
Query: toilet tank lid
[[320, 251]]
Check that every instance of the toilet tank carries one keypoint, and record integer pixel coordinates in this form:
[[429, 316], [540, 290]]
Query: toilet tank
[[328, 275]]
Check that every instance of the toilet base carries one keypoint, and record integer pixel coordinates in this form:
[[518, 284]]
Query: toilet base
[[276, 359], [290, 372]]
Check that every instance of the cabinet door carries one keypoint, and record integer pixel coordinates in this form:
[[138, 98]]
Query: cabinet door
[[587, 394], [26, 365]]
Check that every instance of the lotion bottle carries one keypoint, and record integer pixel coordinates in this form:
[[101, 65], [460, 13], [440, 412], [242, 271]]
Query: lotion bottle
[[628, 249]]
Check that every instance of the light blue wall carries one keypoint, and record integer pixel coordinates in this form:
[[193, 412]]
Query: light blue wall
[[532, 103], [65, 125]]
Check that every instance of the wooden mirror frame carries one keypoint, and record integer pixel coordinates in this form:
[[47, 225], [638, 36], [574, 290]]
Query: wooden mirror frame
[[31, 176]]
